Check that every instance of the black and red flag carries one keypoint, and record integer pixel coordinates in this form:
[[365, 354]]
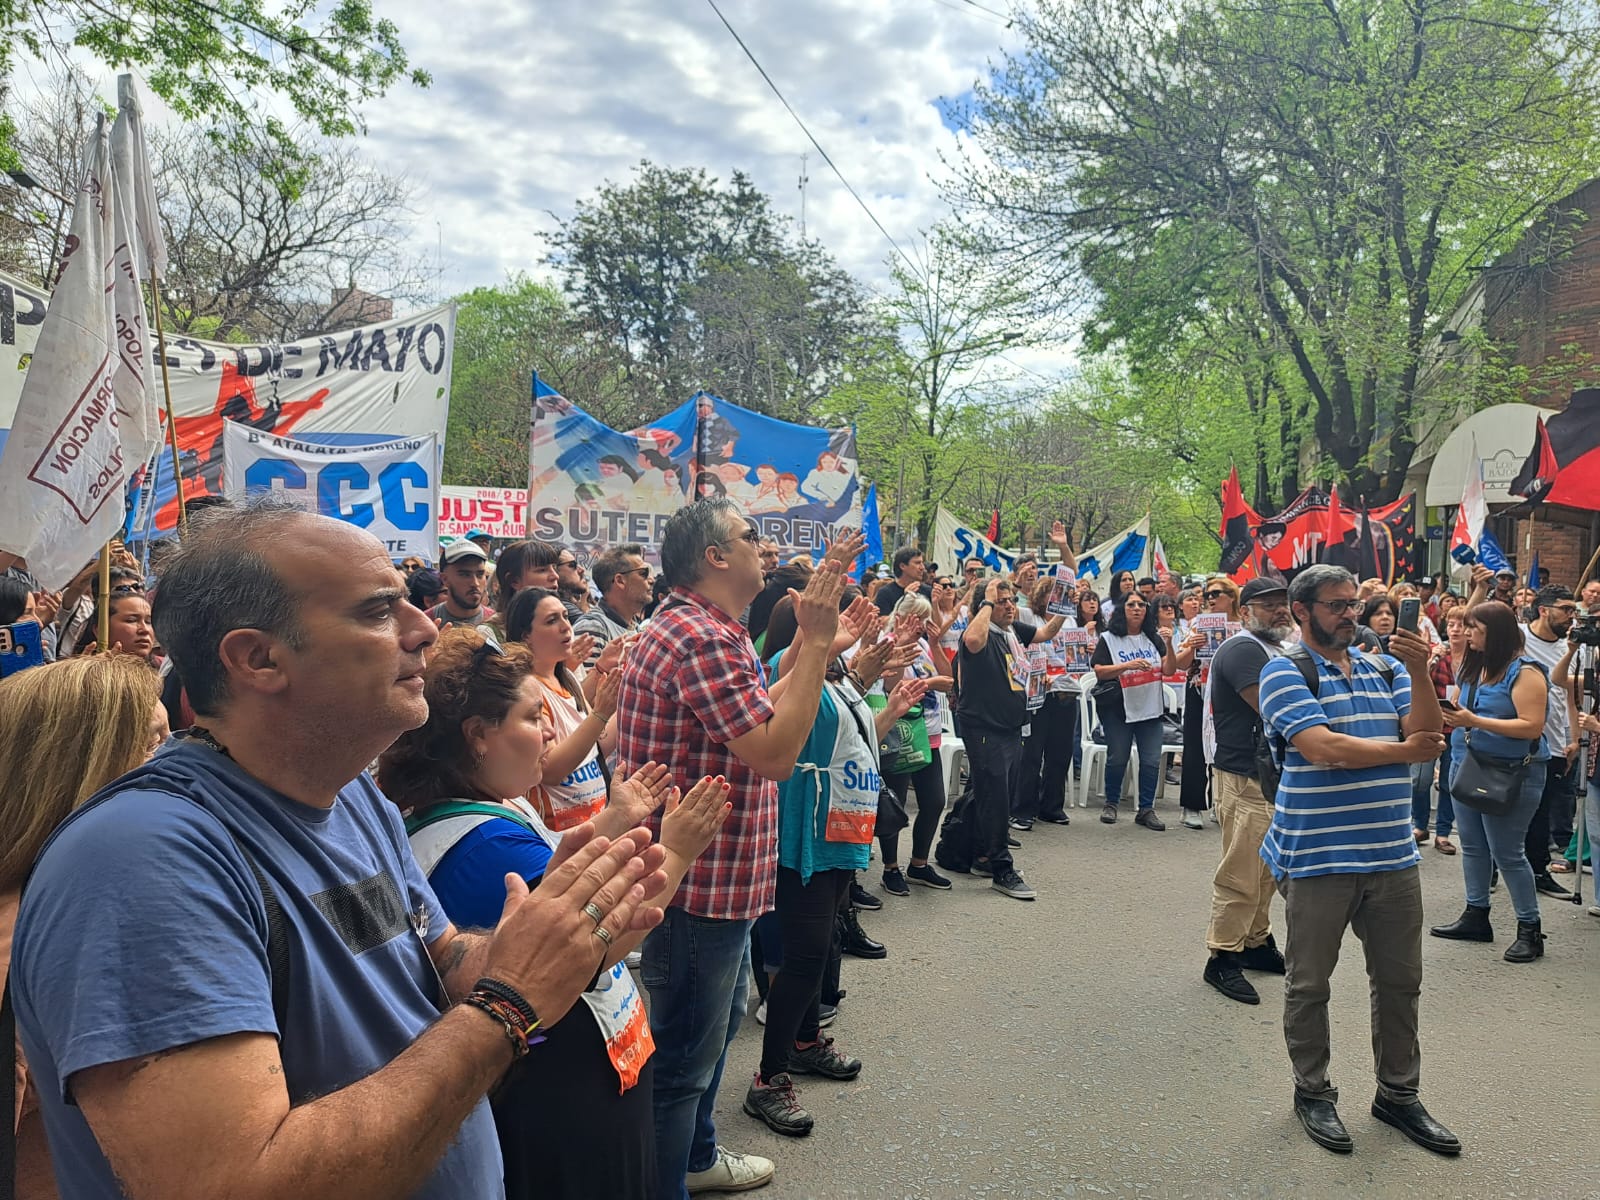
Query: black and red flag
[[1564, 465], [1237, 541]]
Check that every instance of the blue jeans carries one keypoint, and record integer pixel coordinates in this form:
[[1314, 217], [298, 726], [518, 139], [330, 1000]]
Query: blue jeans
[[1498, 840], [697, 970], [1421, 785], [1121, 737]]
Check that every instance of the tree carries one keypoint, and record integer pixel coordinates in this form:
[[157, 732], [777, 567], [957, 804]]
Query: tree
[[1348, 162], [702, 287], [34, 219], [504, 334], [206, 59], [262, 241]]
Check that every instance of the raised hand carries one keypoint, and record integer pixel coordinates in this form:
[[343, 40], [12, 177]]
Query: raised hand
[[816, 609], [853, 623], [907, 694], [846, 550], [578, 651], [605, 697], [1058, 534], [689, 824], [638, 795], [615, 651]]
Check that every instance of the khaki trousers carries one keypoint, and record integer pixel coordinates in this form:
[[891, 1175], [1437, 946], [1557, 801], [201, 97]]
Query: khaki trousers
[[1385, 910], [1241, 891]]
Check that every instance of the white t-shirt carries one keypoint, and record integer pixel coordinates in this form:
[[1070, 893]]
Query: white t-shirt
[[1557, 726]]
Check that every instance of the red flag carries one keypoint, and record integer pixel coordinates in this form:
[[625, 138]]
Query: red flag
[[1237, 542], [994, 527], [1334, 534]]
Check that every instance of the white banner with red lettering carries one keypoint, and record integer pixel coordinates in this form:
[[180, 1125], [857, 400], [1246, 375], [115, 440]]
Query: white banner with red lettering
[[499, 512]]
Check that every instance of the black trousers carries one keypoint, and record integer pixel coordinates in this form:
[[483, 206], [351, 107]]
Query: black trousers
[[1047, 758], [929, 786], [994, 764], [1558, 792], [1195, 778], [807, 912]]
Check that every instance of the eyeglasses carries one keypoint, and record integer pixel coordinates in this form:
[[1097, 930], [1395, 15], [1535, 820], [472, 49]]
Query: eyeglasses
[[749, 535], [1338, 607], [645, 571], [128, 589], [1565, 608], [970, 570], [1218, 592], [567, 562]]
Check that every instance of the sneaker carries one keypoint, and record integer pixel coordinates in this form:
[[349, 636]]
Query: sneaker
[[822, 1057], [1056, 818], [1021, 823], [1548, 886], [774, 1104], [1265, 957], [1193, 820], [1013, 843], [731, 1172], [1009, 883], [982, 868], [827, 1014], [927, 877], [1108, 814], [761, 1013], [1147, 817], [1222, 972], [1173, 775], [894, 882], [861, 898], [1594, 910]]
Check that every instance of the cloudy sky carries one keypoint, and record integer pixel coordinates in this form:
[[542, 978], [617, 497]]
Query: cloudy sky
[[535, 105]]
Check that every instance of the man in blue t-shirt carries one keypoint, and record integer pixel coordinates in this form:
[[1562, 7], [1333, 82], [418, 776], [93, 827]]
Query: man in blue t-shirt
[[1341, 848], [227, 969]]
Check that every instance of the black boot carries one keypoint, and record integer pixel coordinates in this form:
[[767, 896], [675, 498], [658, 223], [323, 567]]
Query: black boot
[[1529, 944], [1470, 926], [855, 938]]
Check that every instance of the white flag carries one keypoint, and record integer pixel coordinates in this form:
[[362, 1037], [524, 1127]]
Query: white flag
[[84, 418], [131, 155], [138, 244]]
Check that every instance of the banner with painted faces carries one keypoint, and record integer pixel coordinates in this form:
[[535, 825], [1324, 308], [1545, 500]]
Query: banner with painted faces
[[591, 486]]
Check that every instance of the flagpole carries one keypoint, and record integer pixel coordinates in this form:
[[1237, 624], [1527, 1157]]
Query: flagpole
[[166, 388], [103, 596]]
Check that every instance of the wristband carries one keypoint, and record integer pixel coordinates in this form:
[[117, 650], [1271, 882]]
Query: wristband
[[983, 604], [511, 1009]]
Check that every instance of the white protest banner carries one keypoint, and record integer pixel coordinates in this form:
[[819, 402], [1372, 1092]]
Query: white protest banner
[[85, 419], [954, 543], [1128, 550], [499, 512], [390, 489]]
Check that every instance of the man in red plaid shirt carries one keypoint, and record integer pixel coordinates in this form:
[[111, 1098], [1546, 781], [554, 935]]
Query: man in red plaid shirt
[[694, 695]]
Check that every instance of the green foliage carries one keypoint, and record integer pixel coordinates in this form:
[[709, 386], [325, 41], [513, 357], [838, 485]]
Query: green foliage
[[1298, 189], [504, 334], [206, 58], [702, 286]]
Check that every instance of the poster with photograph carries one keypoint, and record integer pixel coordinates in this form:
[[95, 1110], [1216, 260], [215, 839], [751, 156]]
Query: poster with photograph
[[1063, 590], [1216, 627], [1077, 648], [1038, 676]]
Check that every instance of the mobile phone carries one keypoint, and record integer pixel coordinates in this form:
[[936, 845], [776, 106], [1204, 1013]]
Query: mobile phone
[[1410, 609], [1448, 704], [21, 647]]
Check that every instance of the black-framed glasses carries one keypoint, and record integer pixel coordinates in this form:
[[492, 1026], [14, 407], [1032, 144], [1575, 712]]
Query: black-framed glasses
[[749, 535], [645, 571], [128, 589], [1215, 594], [567, 562], [1338, 607]]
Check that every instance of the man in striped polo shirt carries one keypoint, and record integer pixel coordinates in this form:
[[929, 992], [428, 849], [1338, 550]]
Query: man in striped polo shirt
[[1341, 847]]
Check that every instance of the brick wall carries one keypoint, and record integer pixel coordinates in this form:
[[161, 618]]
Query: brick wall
[[1563, 549]]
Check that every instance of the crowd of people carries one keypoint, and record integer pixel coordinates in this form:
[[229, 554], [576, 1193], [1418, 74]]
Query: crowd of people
[[324, 878]]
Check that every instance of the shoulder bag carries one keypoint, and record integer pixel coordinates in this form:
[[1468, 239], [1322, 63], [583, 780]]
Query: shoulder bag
[[1489, 785]]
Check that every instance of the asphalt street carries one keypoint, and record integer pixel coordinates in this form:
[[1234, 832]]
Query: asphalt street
[[1068, 1047]]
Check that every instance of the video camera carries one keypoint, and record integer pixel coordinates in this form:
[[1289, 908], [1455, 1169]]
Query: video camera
[[1585, 630]]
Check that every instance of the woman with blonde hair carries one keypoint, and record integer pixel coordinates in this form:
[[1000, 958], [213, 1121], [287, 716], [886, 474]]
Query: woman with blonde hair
[[66, 730]]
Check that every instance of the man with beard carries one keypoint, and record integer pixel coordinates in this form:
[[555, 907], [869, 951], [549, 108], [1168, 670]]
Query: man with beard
[[464, 567], [1341, 848], [1239, 936], [1545, 641]]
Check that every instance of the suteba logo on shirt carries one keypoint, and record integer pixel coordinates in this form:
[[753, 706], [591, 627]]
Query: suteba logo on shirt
[[861, 779], [589, 770]]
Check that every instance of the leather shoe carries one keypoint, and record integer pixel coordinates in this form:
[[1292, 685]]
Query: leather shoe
[[1265, 957], [1222, 972], [1322, 1123], [1413, 1121], [854, 939]]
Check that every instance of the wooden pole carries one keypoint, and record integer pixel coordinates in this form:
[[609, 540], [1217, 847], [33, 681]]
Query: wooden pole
[[1589, 570], [166, 388], [102, 593]]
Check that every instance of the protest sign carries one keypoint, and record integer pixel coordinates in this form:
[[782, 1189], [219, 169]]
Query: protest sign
[[390, 489], [1038, 676], [22, 309], [1063, 596], [499, 512], [1217, 629], [591, 486], [1077, 647], [1314, 528], [954, 543]]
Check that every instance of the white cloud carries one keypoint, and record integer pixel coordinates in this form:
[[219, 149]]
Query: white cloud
[[534, 107]]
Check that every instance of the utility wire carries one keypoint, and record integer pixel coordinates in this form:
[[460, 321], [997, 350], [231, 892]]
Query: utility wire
[[812, 138], [1000, 18]]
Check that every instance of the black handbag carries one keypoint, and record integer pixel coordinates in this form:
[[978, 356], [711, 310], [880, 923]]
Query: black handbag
[[1491, 786]]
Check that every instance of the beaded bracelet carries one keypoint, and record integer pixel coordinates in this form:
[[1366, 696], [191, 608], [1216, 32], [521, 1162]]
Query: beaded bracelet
[[522, 1035]]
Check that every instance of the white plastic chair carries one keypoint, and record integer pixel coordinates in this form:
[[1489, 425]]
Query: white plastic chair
[[953, 756], [1094, 753], [1172, 699]]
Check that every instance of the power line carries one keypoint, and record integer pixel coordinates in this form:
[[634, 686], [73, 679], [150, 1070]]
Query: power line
[[812, 138], [1001, 17]]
